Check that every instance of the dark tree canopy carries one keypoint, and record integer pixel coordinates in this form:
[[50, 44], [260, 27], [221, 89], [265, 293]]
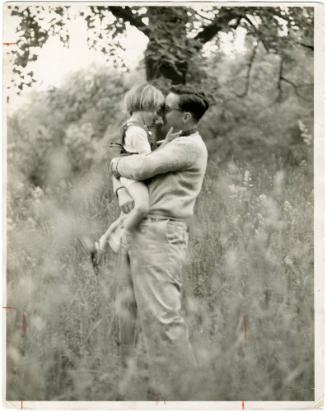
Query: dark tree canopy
[[176, 35]]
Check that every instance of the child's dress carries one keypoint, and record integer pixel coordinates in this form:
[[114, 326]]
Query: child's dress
[[135, 139]]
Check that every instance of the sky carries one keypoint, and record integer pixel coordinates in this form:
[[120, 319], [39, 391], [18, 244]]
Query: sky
[[55, 61]]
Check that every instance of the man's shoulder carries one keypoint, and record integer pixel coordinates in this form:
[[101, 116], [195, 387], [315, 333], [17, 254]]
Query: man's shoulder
[[192, 142], [190, 148]]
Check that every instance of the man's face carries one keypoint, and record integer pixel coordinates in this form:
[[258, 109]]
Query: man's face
[[173, 115]]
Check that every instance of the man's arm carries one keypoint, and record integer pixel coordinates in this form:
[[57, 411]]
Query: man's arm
[[175, 156]]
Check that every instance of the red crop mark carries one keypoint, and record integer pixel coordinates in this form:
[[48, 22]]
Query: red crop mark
[[9, 43], [24, 325], [245, 326], [243, 405], [8, 307], [21, 405]]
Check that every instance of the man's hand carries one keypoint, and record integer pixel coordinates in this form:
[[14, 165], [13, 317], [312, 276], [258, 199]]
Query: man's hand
[[171, 136], [125, 201], [113, 166]]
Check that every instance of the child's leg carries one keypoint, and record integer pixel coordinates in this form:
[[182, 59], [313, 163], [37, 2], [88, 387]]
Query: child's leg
[[114, 225], [140, 195]]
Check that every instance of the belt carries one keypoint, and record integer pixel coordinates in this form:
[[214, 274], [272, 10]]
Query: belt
[[159, 218]]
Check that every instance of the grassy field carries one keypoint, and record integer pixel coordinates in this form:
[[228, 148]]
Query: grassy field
[[248, 288]]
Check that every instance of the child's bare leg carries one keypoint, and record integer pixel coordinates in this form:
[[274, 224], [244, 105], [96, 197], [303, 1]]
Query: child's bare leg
[[140, 195], [104, 238]]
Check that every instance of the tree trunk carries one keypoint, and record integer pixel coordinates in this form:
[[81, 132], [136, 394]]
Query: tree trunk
[[167, 54]]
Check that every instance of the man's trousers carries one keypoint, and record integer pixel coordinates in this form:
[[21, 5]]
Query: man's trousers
[[150, 286]]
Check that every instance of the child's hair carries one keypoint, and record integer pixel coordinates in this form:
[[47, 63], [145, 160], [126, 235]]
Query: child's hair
[[144, 97]]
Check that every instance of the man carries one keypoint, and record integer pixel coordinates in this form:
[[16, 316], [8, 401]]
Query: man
[[157, 249]]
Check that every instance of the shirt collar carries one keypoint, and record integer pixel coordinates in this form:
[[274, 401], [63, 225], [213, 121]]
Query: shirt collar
[[189, 132]]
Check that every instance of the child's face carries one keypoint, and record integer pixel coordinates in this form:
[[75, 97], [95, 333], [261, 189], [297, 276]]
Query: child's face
[[152, 118]]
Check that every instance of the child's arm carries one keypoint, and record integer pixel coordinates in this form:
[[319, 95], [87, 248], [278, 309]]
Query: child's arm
[[125, 201], [140, 194]]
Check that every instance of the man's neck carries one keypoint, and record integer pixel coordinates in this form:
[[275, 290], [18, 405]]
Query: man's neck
[[188, 131]]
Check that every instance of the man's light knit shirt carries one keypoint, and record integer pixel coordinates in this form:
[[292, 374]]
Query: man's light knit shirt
[[174, 175]]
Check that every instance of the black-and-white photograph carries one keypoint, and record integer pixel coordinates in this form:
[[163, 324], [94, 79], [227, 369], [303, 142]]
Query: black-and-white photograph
[[160, 203]]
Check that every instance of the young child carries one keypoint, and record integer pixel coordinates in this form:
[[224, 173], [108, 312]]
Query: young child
[[143, 102]]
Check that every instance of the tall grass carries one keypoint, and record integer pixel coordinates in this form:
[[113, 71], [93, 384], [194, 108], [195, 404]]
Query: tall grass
[[248, 282]]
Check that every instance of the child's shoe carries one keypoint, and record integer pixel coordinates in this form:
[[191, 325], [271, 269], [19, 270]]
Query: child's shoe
[[92, 248]]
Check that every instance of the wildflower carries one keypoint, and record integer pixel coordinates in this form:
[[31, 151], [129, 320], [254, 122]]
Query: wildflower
[[236, 190], [270, 210], [10, 224], [247, 179], [37, 193], [262, 198], [287, 206], [279, 179], [232, 188], [260, 218], [39, 323], [288, 261], [306, 136]]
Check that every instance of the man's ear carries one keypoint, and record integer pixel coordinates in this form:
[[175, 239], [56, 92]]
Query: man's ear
[[187, 117]]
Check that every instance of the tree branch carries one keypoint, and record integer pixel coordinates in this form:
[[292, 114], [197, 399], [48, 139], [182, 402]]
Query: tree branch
[[257, 32], [281, 79], [308, 46], [279, 84], [221, 21], [126, 14], [295, 87], [248, 72], [203, 17]]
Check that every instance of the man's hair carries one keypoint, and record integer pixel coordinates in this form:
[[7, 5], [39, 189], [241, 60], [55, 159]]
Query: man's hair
[[143, 97], [191, 101]]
